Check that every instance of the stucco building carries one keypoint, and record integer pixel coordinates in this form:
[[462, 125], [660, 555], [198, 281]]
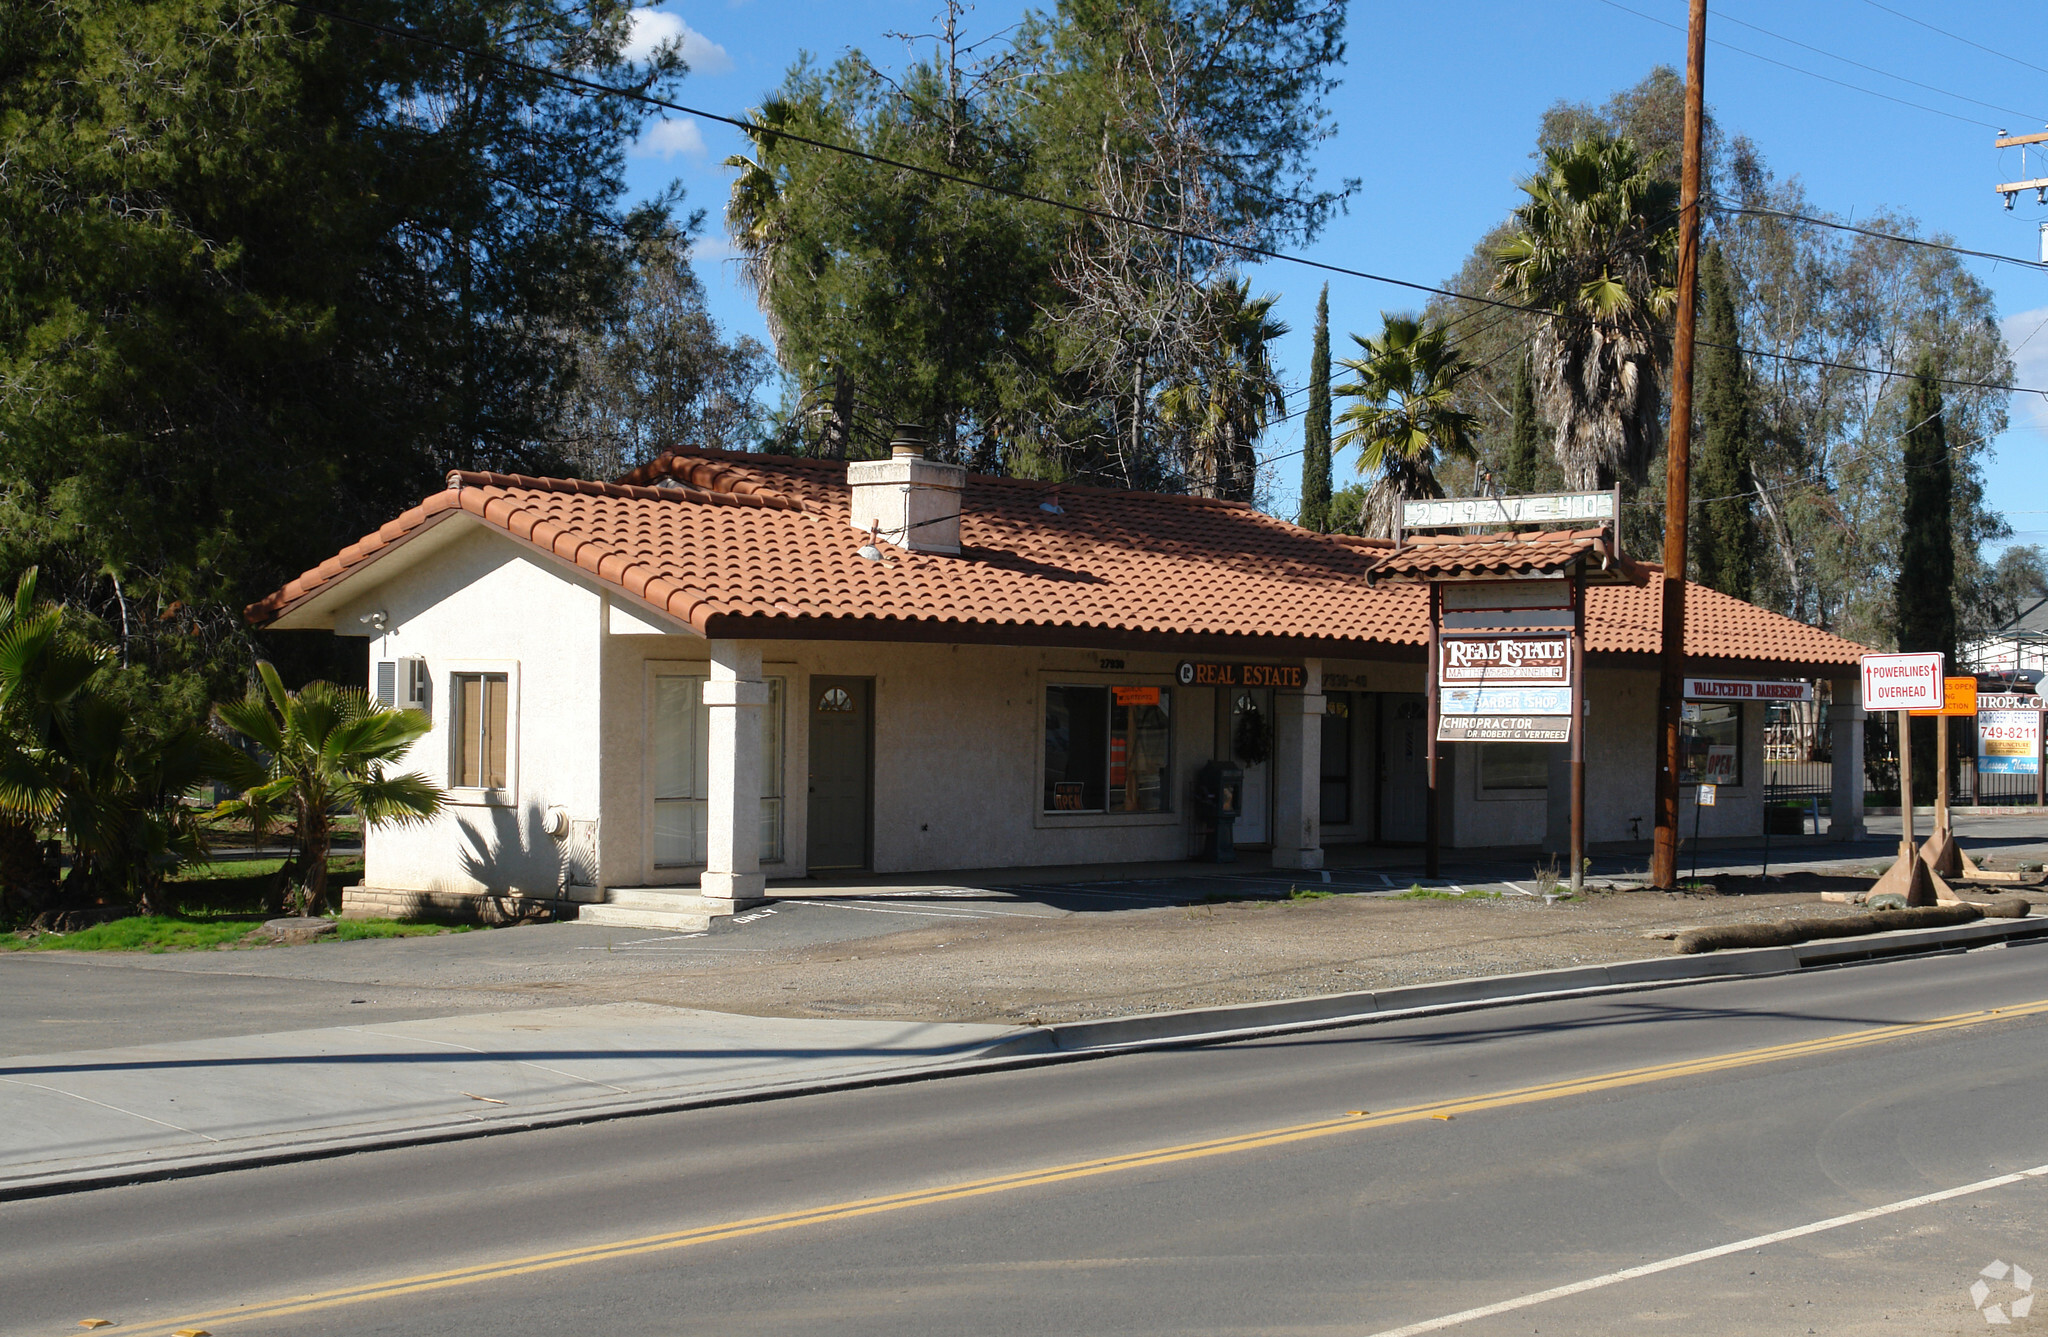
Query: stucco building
[[652, 697]]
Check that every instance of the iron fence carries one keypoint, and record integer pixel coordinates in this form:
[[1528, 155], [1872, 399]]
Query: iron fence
[[1966, 784]]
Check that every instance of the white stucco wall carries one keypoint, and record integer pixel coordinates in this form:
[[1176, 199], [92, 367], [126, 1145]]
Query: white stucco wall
[[486, 604], [958, 737]]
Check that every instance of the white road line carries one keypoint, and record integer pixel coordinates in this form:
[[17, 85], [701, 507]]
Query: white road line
[[1705, 1255], [1517, 888]]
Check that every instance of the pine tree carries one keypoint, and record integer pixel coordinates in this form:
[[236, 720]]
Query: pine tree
[[1522, 472], [1925, 602], [1315, 430], [1725, 551]]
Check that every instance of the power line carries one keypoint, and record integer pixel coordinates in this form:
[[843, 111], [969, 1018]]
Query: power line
[[1871, 232], [592, 87], [1793, 41], [1796, 69], [1957, 37]]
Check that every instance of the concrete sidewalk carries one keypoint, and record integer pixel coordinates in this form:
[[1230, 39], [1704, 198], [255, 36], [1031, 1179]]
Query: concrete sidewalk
[[148, 1110]]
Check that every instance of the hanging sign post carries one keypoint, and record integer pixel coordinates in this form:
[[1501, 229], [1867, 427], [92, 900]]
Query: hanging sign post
[[1902, 683], [1958, 697], [1492, 684]]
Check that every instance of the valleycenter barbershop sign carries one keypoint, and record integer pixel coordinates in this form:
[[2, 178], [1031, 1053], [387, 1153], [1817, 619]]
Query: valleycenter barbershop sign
[[1492, 661]]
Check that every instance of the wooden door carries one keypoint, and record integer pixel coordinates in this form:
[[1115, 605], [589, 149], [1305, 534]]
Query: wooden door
[[1404, 766], [842, 770]]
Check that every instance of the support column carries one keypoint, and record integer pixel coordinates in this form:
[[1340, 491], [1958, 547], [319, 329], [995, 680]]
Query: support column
[[736, 695], [1298, 773], [1845, 741]]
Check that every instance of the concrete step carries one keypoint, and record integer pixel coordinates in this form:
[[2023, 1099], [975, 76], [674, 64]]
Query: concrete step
[[665, 898], [629, 916]]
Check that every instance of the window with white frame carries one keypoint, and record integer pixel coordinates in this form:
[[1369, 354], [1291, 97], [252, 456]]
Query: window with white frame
[[480, 720], [681, 739]]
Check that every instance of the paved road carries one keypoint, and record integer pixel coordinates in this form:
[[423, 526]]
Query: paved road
[[1588, 1138]]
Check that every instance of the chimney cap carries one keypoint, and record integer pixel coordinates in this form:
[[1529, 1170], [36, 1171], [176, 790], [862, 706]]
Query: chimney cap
[[909, 440]]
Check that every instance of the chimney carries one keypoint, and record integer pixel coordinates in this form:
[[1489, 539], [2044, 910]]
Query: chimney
[[913, 502]]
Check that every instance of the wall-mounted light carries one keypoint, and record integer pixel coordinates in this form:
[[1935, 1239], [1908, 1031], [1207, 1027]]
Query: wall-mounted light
[[376, 620]]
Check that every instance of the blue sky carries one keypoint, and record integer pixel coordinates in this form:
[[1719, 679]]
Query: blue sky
[[1439, 108]]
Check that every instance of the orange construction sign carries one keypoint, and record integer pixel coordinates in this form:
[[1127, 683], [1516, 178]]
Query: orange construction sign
[[1959, 697]]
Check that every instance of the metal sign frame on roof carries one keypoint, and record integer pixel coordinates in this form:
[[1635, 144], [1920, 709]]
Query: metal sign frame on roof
[[1538, 509]]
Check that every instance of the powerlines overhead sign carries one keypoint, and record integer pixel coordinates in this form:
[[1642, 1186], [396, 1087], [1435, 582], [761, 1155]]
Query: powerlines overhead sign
[[1903, 682]]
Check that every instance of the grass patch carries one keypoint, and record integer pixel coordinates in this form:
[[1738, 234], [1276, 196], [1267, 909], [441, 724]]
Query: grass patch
[[1307, 894], [198, 933], [138, 933], [1422, 893], [239, 870], [354, 930]]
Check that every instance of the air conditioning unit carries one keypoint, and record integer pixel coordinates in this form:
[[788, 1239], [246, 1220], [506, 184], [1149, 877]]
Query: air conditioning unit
[[402, 684]]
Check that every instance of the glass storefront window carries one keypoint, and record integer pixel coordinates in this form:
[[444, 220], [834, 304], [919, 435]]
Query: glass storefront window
[[1514, 766], [1710, 739], [1107, 749]]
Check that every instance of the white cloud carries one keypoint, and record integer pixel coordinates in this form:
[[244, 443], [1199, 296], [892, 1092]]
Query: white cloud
[[654, 27], [2026, 335], [665, 139]]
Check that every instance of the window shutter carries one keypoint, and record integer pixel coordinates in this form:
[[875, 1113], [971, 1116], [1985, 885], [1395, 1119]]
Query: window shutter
[[387, 682]]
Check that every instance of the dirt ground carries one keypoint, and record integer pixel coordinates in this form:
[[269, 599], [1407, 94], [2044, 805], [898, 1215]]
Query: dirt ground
[[1088, 966]]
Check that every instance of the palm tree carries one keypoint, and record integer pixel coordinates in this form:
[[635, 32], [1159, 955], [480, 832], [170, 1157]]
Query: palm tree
[[327, 749], [74, 761], [754, 209], [1222, 398], [1595, 249], [1405, 419]]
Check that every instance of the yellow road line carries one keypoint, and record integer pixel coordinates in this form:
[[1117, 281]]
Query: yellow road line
[[1057, 1174]]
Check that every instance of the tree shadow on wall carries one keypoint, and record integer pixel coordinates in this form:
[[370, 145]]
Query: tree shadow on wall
[[520, 866]]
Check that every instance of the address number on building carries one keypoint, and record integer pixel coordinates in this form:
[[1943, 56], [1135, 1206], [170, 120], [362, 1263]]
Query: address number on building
[[1195, 673]]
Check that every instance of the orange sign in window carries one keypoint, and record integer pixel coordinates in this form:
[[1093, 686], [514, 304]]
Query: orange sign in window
[[1149, 696]]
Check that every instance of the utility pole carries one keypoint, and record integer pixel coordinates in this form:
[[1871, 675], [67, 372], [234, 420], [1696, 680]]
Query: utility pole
[[1678, 464], [2037, 184]]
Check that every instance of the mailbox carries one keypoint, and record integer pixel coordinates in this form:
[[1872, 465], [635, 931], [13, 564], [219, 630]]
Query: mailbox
[[1219, 799]]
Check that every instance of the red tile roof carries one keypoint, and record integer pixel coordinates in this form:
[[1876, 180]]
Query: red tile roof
[[759, 546], [1509, 553]]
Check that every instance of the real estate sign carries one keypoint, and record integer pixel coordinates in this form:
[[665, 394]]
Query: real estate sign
[[1504, 661], [1903, 682]]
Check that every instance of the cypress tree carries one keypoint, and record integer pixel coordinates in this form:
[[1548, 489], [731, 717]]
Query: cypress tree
[[1925, 602], [1724, 554], [1523, 469], [1925, 594], [1315, 429]]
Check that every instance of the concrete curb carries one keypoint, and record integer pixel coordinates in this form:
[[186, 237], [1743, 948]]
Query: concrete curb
[[1041, 1046]]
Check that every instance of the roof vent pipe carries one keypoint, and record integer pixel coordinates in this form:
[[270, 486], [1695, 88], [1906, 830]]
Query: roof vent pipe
[[908, 500]]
